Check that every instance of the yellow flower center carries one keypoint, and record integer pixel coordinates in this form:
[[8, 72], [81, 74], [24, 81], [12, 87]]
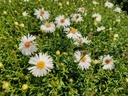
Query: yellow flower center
[[41, 12], [73, 30], [77, 16], [41, 64], [48, 25], [83, 59], [82, 9], [79, 41], [27, 44], [107, 61], [62, 20], [108, 4], [96, 16]]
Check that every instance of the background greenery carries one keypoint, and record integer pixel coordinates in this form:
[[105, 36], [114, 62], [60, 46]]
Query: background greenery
[[65, 79]]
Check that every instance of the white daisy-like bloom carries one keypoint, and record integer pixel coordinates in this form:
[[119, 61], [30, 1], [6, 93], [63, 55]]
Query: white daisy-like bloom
[[108, 4], [76, 18], [82, 40], [66, 29], [84, 60], [26, 0], [82, 10], [95, 2], [27, 45], [101, 28], [42, 14], [77, 41], [42, 63], [48, 27], [25, 14], [85, 40], [117, 9], [97, 16], [61, 21], [72, 33], [108, 62]]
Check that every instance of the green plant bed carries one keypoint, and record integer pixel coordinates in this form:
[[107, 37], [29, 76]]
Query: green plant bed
[[63, 48]]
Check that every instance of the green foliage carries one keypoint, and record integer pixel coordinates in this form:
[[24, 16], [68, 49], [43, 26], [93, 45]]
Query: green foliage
[[65, 79]]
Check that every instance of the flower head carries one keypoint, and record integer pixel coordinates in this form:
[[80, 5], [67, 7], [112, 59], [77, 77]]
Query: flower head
[[82, 10], [42, 63], [82, 40], [48, 27], [25, 13], [72, 33], [62, 21], [101, 28], [85, 40], [27, 45], [117, 9], [97, 16], [42, 14], [76, 18], [84, 60], [77, 41], [108, 4], [108, 62]]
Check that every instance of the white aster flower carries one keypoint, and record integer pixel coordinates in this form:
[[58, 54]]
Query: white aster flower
[[42, 14], [82, 10], [25, 14], [101, 28], [76, 18], [108, 4], [85, 40], [42, 63], [82, 40], [48, 27], [97, 16], [95, 2], [66, 29], [117, 9], [62, 21], [27, 45], [84, 60], [72, 33], [108, 62], [77, 41]]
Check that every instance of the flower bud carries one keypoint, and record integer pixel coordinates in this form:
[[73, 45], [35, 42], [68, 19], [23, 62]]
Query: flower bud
[[24, 86], [1, 65], [5, 85], [16, 23], [57, 52]]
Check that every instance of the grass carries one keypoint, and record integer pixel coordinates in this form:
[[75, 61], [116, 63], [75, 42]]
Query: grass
[[65, 79]]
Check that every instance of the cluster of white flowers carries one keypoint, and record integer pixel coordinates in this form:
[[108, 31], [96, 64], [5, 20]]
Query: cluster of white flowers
[[84, 61], [43, 62]]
